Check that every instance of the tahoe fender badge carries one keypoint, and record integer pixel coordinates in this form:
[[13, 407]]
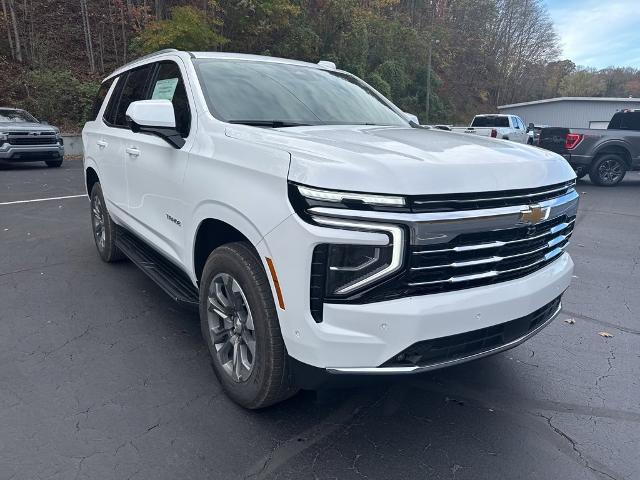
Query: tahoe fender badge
[[174, 220]]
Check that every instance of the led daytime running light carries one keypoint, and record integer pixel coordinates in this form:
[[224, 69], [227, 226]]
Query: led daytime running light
[[337, 197]]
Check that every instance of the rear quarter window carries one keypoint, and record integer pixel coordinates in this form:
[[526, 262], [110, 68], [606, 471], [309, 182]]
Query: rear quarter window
[[110, 112], [101, 95]]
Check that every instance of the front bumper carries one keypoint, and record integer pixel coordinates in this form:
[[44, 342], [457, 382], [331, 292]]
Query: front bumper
[[365, 336], [30, 153]]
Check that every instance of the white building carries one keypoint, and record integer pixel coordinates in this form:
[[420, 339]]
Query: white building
[[571, 112]]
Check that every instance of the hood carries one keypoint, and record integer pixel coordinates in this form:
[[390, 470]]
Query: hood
[[409, 161], [26, 127]]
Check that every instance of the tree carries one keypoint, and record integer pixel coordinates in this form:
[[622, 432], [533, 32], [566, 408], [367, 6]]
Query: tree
[[187, 29], [17, 50], [583, 83], [255, 25]]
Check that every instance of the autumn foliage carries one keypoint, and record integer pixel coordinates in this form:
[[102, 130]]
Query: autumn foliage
[[53, 53]]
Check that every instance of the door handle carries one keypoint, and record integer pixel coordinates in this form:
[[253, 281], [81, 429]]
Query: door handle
[[102, 143], [133, 152]]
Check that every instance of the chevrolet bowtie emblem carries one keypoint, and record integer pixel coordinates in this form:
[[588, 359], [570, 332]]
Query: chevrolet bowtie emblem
[[534, 214]]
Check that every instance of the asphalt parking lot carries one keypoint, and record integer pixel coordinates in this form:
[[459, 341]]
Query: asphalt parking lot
[[103, 377]]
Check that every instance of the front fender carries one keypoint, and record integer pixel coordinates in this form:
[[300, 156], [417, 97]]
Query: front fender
[[89, 162], [212, 210]]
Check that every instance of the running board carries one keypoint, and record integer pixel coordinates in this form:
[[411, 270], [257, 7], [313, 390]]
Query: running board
[[168, 276]]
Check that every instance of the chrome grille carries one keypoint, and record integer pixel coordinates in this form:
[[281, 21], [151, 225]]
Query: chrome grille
[[26, 138], [466, 248], [476, 201], [475, 259]]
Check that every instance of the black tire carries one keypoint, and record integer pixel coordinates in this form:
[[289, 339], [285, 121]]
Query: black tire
[[268, 381], [608, 170], [581, 171], [104, 237], [53, 163]]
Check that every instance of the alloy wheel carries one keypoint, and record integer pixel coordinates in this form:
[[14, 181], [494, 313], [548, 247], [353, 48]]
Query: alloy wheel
[[97, 217], [610, 171], [231, 327]]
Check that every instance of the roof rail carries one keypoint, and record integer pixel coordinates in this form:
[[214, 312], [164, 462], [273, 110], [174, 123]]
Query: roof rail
[[150, 55]]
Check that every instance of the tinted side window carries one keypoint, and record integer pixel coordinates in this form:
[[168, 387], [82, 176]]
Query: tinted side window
[[109, 114], [630, 121], [134, 89], [102, 93], [168, 85], [490, 122]]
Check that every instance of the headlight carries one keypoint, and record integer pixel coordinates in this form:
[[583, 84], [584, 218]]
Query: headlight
[[342, 197], [350, 268], [304, 198]]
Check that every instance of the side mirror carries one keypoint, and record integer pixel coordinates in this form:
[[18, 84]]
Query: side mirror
[[44, 122], [412, 118], [155, 117]]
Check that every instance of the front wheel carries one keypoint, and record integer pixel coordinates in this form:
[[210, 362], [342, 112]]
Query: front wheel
[[240, 326], [608, 170]]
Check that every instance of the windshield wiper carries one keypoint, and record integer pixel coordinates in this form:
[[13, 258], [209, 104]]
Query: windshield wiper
[[270, 123]]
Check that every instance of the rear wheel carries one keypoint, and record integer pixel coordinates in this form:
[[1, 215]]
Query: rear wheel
[[240, 326], [608, 170], [53, 163], [104, 229]]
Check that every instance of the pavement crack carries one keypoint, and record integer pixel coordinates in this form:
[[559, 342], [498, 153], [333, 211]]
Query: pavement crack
[[67, 342], [341, 419], [354, 466], [574, 447], [610, 359], [30, 269], [632, 331]]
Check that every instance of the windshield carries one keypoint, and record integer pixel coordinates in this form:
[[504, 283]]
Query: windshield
[[490, 122], [17, 116], [277, 95]]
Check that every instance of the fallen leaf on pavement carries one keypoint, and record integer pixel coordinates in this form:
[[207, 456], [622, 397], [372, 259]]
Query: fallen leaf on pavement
[[605, 334]]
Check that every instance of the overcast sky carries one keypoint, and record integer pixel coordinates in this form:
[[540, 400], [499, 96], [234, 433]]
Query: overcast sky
[[597, 33]]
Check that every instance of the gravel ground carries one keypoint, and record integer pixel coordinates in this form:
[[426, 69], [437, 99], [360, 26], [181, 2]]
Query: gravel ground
[[103, 377]]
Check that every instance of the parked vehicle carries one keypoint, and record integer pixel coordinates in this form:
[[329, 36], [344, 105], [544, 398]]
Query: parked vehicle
[[506, 127], [533, 133], [25, 139], [606, 155], [319, 233]]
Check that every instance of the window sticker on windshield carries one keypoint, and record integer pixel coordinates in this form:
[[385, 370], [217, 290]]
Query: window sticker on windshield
[[165, 89]]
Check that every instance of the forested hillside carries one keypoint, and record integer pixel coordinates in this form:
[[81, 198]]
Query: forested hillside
[[53, 53]]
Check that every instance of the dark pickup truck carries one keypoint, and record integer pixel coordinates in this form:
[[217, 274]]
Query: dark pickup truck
[[606, 155]]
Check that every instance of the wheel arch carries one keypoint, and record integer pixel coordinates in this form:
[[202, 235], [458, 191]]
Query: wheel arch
[[210, 234], [91, 178], [615, 149]]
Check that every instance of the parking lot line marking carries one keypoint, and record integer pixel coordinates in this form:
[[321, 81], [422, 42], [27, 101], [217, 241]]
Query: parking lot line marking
[[42, 199]]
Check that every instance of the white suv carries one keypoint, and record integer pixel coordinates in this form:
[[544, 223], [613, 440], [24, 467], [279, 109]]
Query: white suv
[[320, 233]]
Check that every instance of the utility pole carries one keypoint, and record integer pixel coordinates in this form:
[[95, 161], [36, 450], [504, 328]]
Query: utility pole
[[428, 103]]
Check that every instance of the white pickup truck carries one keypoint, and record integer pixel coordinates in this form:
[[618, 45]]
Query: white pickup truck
[[506, 127]]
